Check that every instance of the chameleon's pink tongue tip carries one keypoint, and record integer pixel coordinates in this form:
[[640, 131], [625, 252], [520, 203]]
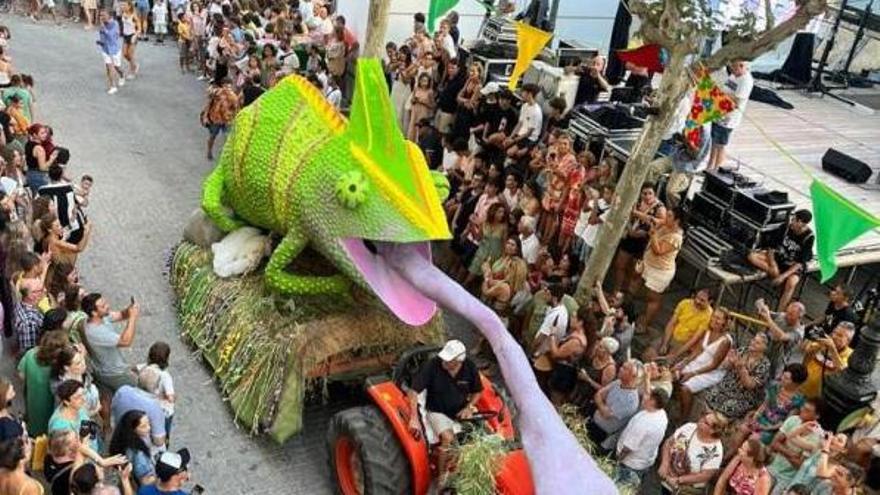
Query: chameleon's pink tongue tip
[[404, 300]]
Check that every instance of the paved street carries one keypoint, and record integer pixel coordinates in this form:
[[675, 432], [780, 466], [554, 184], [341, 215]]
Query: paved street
[[145, 148]]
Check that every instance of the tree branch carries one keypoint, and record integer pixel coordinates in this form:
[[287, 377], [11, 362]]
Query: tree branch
[[769, 18], [747, 50]]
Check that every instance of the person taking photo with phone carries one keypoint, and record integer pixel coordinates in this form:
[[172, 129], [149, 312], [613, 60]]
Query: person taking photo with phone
[[105, 342]]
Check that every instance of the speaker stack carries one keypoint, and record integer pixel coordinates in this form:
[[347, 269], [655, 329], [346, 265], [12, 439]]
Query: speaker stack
[[740, 213]]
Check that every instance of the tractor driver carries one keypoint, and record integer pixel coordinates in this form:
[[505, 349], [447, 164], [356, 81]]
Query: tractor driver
[[452, 385]]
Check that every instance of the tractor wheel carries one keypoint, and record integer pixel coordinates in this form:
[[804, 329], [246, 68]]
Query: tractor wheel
[[365, 456]]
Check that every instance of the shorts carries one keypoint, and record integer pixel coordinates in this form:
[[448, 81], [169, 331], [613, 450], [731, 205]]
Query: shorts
[[720, 134], [127, 39], [657, 280], [36, 179], [112, 383], [526, 144], [115, 59], [215, 129], [160, 28], [703, 381], [440, 422]]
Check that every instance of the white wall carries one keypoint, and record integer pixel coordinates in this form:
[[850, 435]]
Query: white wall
[[588, 21]]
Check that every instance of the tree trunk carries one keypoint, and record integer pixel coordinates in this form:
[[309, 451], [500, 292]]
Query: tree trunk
[[673, 86], [377, 25]]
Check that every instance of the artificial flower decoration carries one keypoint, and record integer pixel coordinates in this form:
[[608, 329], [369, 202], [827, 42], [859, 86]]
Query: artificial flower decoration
[[351, 189], [710, 105]]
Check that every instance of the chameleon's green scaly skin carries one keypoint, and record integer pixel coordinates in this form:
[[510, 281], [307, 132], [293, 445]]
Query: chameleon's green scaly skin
[[294, 166]]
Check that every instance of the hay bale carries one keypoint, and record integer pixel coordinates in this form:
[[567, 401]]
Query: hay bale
[[267, 352]]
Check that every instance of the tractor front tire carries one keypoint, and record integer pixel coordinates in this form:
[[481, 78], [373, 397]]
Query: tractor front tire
[[361, 439]]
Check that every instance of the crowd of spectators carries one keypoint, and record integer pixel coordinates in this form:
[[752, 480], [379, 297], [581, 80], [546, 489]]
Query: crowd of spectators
[[90, 421], [708, 406]]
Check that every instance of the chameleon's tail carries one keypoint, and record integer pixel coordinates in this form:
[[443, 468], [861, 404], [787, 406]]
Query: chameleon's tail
[[212, 200]]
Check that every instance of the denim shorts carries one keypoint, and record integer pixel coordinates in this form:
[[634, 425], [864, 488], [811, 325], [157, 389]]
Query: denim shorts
[[216, 129], [720, 134]]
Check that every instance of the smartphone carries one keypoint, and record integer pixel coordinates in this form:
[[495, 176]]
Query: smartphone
[[132, 300]]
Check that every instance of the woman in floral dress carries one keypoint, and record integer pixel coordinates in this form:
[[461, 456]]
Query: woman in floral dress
[[740, 390], [781, 400]]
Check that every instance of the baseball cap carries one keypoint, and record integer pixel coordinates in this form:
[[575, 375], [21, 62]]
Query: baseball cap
[[170, 463], [454, 350], [490, 88]]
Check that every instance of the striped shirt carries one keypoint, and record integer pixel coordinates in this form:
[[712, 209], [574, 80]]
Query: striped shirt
[[28, 321]]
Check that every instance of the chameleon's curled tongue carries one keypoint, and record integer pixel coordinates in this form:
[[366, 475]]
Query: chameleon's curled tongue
[[558, 463], [404, 300]]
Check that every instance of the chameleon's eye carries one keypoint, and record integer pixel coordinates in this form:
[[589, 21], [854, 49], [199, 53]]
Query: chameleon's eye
[[351, 189]]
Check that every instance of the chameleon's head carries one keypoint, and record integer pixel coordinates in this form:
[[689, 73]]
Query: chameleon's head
[[383, 193]]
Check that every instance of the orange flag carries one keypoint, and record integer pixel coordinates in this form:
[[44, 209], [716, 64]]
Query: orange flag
[[529, 43]]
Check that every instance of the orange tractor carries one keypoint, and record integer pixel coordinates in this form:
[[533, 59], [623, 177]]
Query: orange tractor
[[374, 452]]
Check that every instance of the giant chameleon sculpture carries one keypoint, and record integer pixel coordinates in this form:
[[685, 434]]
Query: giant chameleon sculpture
[[361, 195]]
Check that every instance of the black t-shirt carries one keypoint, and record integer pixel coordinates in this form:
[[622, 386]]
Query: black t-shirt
[[560, 122], [58, 476], [468, 205], [834, 316], [484, 112], [637, 82], [588, 89], [502, 121], [251, 92], [432, 147], [447, 101], [10, 428], [447, 394], [796, 248], [6, 123], [30, 160]]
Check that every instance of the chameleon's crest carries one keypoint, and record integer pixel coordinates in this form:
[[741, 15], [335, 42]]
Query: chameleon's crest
[[395, 165]]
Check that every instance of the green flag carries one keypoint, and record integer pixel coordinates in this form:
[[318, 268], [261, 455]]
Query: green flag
[[438, 9], [838, 221]]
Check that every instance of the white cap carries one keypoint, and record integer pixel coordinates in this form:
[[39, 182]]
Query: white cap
[[454, 350], [490, 88]]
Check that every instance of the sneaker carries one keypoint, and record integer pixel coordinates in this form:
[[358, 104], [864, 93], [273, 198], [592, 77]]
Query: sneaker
[[201, 78], [121, 82], [112, 91], [130, 76]]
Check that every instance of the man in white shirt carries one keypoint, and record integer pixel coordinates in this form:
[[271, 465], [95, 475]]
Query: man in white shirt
[[739, 85], [527, 132], [641, 438], [555, 324], [530, 243], [446, 40], [334, 94]]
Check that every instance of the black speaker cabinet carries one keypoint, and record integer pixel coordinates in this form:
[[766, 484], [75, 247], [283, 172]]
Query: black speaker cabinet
[[845, 167]]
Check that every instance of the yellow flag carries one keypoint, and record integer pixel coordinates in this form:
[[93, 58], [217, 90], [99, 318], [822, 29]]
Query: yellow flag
[[529, 43]]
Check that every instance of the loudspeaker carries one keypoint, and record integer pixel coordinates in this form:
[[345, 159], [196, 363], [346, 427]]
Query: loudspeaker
[[845, 167]]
